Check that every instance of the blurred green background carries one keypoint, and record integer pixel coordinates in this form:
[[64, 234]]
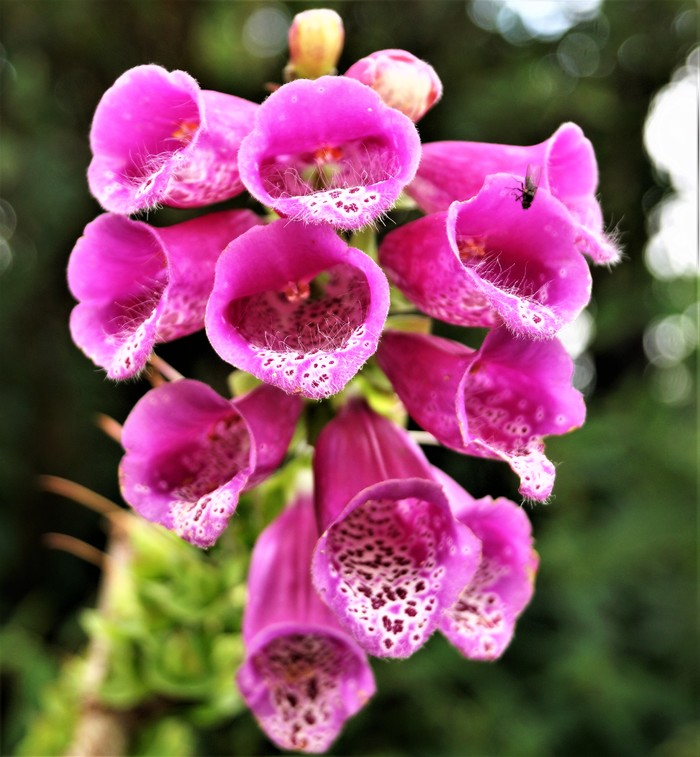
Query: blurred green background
[[604, 660]]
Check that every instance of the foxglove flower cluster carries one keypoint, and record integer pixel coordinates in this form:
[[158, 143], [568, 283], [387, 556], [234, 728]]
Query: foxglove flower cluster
[[385, 549]]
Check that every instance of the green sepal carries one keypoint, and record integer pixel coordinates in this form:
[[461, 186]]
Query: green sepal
[[240, 383], [416, 324], [365, 239]]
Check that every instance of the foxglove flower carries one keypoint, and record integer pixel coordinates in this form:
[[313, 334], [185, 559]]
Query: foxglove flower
[[189, 453], [316, 40], [158, 139], [496, 402], [296, 307], [487, 261], [329, 151], [481, 623], [138, 285], [391, 558], [302, 676], [566, 163], [403, 81]]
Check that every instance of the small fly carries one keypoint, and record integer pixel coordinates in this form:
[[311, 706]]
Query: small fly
[[528, 189]]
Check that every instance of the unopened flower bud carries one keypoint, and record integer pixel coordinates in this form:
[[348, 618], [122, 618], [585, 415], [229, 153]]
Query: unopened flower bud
[[315, 42], [403, 81]]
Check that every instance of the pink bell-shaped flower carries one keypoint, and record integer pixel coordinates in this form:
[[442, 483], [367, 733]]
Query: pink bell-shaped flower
[[497, 402], [329, 151], [189, 453], [139, 285], [295, 306], [481, 623], [158, 139], [302, 676], [488, 261], [392, 557], [566, 166]]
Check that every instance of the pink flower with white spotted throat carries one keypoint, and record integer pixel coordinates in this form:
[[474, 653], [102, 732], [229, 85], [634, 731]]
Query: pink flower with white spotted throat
[[481, 623], [158, 139], [295, 306], [329, 151], [451, 171], [302, 676], [189, 453], [488, 261], [139, 285], [497, 402], [391, 558]]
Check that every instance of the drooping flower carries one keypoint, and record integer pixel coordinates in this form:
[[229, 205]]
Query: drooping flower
[[295, 306], [451, 171], [403, 81], [138, 285], [488, 261], [329, 151], [158, 139], [189, 453], [316, 40], [302, 676], [481, 623], [392, 557], [497, 402]]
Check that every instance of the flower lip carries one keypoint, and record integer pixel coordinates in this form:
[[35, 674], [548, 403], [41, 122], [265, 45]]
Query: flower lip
[[330, 151], [303, 313], [118, 271], [129, 169], [188, 455]]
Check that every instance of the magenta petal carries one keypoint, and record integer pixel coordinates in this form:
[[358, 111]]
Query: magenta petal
[[138, 285], [451, 171], [156, 138], [279, 578], [419, 260], [302, 675], [329, 151], [357, 449], [427, 372], [392, 557], [498, 402], [296, 307], [481, 623], [271, 416], [189, 453]]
